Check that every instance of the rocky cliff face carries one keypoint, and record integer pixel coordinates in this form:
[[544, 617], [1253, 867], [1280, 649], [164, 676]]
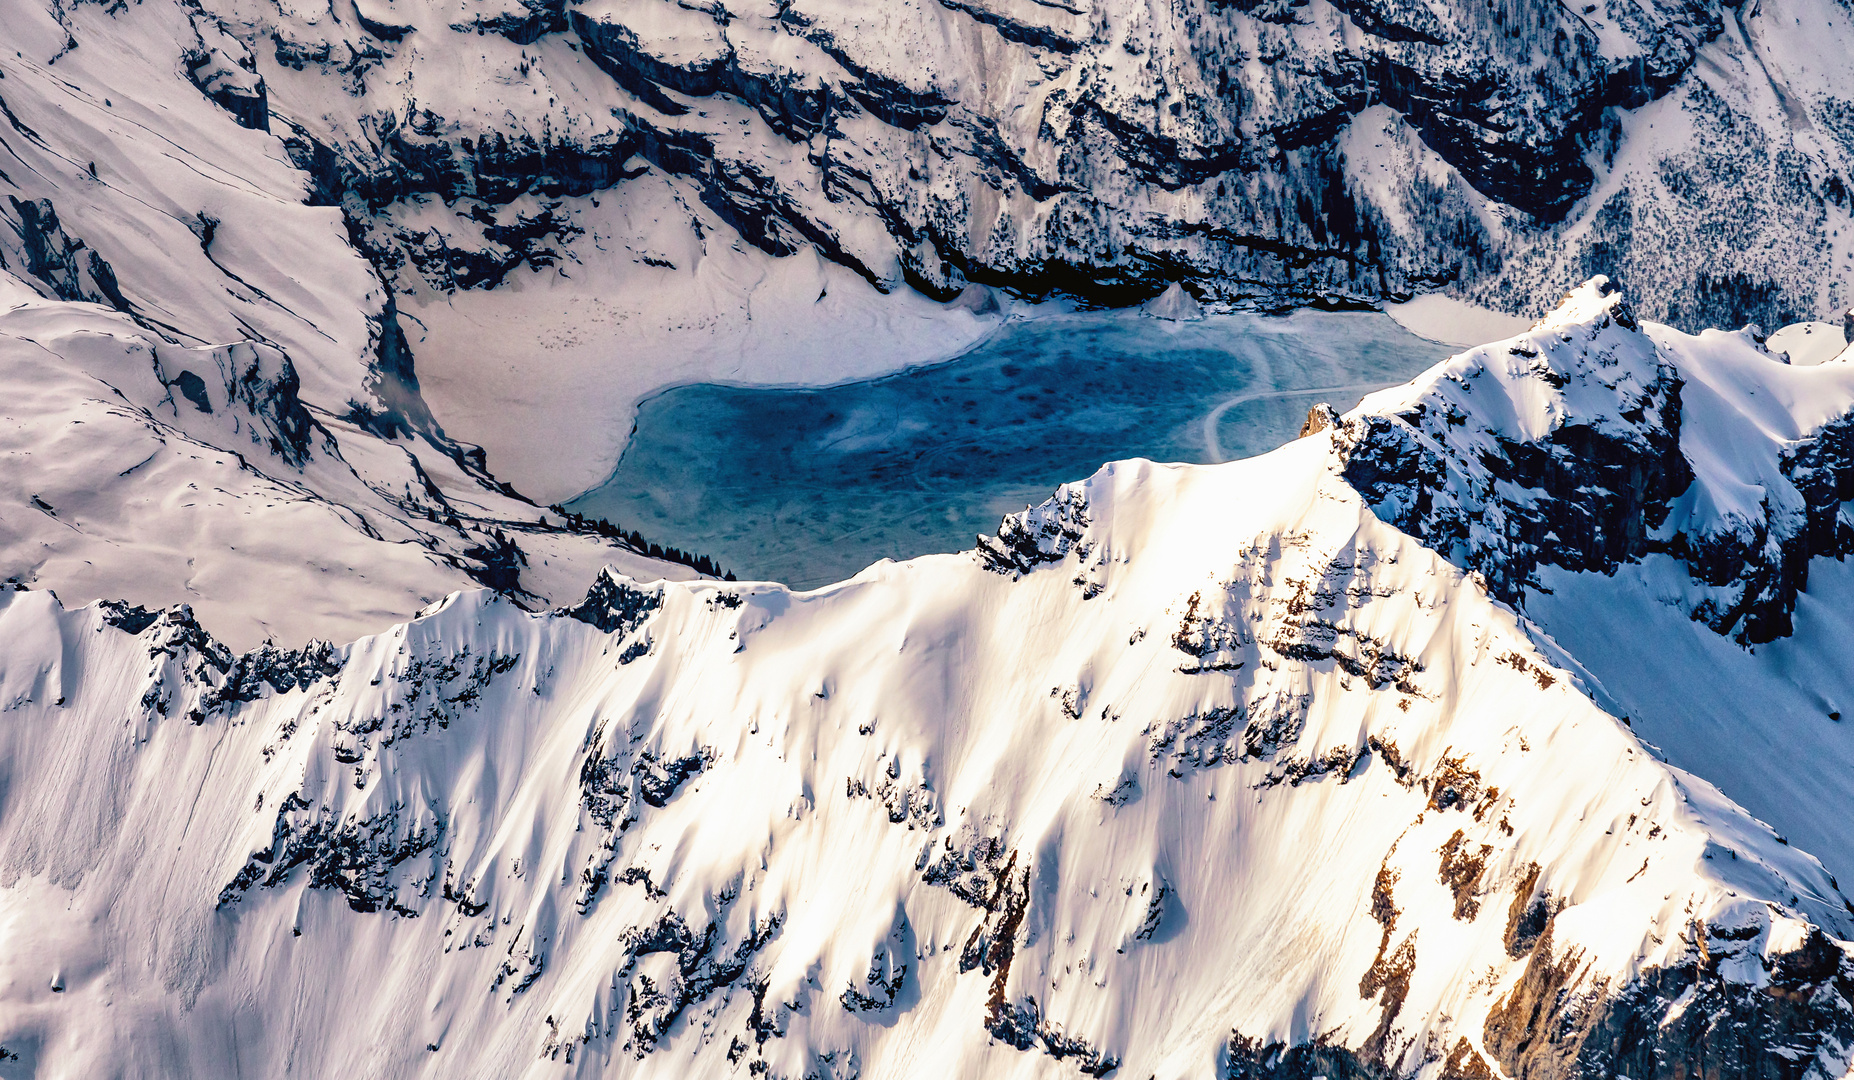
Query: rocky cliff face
[[1304, 152]]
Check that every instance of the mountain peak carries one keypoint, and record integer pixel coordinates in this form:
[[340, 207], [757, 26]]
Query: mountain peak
[[1590, 441]]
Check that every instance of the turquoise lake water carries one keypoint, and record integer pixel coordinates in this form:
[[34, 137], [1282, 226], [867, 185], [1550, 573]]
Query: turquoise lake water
[[808, 486]]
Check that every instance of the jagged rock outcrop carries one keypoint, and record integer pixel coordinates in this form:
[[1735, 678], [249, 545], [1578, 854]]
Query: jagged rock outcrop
[[1744, 1010], [68, 266], [616, 606], [232, 86]]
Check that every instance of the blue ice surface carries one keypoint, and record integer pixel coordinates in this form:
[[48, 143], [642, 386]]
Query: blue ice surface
[[809, 485]]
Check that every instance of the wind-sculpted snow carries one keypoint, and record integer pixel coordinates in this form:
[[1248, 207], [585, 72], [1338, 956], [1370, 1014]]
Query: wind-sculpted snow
[[1196, 771]]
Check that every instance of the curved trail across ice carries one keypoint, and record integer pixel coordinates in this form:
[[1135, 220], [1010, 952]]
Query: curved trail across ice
[[1215, 448]]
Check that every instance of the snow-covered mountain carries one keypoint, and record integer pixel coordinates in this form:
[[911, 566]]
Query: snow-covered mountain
[[206, 399], [1491, 729], [1291, 151], [1275, 768]]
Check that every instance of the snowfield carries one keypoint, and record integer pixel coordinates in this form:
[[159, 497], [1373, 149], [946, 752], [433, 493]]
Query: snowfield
[[1192, 771]]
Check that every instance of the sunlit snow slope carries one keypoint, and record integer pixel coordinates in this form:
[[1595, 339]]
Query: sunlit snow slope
[[1189, 772]]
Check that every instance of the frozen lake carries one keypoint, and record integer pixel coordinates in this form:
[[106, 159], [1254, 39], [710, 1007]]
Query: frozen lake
[[809, 485]]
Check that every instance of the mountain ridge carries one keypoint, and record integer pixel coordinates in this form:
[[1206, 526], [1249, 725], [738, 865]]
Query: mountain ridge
[[1038, 808], [1491, 729]]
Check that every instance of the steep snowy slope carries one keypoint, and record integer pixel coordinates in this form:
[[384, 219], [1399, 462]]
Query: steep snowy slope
[[1191, 771], [1716, 504]]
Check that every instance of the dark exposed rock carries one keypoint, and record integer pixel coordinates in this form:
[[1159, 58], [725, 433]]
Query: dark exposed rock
[[658, 779], [1024, 1026], [420, 157], [612, 783], [1530, 913], [1040, 534], [522, 21], [910, 803], [1209, 738], [1463, 863], [1351, 650], [454, 262], [64, 263], [266, 383], [193, 388], [1388, 979], [131, 619], [1686, 1018], [615, 606], [176, 634], [992, 948], [1516, 99], [252, 375], [1159, 902], [425, 694], [881, 987], [1212, 638], [971, 866], [1319, 418], [398, 408], [1599, 495], [368, 15], [282, 670], [496, 563], [704, 965], [1464, 1062], [238, 90], [605, 791], [358, 857], [1247, 1058]]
